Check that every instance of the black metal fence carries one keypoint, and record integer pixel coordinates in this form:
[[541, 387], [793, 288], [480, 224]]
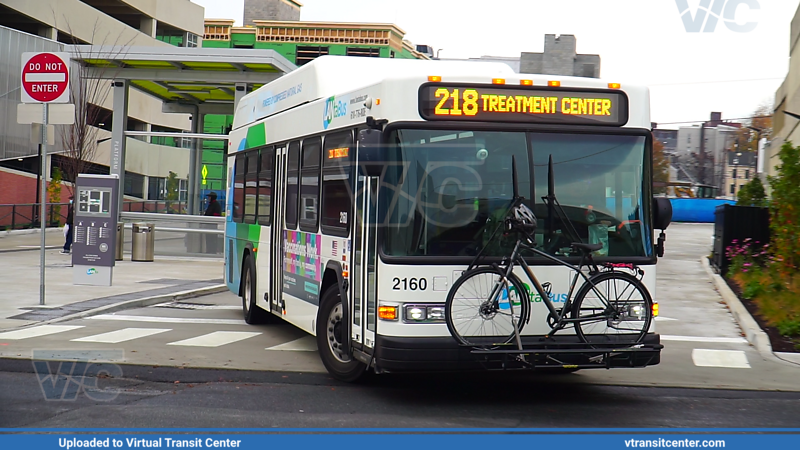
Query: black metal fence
[[24, 216], [739, 223]]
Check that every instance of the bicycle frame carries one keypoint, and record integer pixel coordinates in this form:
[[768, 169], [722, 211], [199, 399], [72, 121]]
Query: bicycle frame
[[561, 317]]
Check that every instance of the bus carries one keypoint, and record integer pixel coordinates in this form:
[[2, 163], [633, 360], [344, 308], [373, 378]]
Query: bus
[[359, 190]]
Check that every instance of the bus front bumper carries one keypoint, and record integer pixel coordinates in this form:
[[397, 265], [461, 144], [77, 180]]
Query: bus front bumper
[[401, 354]]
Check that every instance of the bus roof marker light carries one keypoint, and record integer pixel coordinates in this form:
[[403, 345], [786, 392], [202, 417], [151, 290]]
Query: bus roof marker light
[[554, 83], [498, 81], [614, 85], [387, 312], [434, 78], [526, 82]]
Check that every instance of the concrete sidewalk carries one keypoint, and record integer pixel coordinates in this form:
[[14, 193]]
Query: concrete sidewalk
[[134, 284]]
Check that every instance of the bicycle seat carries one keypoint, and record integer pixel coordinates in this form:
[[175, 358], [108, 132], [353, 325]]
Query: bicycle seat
[[586, 247]]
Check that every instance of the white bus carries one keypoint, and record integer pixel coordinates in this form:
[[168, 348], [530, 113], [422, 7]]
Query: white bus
[[361, 188]]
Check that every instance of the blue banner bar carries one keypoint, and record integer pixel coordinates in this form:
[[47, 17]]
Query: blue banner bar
[[403, 440]]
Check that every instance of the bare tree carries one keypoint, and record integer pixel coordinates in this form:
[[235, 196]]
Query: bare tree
[[90, 89]]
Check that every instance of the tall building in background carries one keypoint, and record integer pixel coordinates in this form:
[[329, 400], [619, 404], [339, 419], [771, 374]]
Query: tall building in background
[[283, 10], [47, 25], [561, 57]]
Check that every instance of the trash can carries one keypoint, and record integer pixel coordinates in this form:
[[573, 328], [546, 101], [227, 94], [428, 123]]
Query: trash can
[[143, 242], [120, 240]]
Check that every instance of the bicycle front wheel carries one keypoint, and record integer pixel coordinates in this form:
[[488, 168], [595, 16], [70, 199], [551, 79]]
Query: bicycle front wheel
[[617, 310], [484, 308]]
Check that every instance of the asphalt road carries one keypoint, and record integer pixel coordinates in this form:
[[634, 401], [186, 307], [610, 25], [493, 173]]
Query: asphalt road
[[289, 400]]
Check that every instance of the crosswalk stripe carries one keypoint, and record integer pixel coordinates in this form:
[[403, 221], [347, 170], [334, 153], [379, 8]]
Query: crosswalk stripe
[[729, 359], [155, 319], [41, 330], [716, 340], [304, 344], [126, 334], [216, 339]]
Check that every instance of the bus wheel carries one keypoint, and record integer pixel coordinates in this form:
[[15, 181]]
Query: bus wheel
[[253, 314], [331, 334]]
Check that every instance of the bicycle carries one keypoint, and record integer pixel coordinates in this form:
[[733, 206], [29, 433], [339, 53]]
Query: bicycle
[[493, 296]]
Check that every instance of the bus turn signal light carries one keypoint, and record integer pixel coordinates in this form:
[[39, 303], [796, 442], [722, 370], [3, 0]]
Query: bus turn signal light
[[387, 312], [655, 309], [526, 82], [434, 78], [614, 85]]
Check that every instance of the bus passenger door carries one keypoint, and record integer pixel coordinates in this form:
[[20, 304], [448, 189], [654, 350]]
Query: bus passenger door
[[364, 299], [278, 207]]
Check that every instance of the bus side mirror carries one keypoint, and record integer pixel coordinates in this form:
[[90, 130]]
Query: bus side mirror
[[371, 157], [662, 217], [662, 213]]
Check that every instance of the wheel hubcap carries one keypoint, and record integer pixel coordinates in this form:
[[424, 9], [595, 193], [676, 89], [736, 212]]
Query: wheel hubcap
[[247, 291], [335, 334]]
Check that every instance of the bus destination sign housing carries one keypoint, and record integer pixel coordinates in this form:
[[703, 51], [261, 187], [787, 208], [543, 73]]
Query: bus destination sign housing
[[491, 103]]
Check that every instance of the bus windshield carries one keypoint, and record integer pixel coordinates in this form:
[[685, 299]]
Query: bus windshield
[[445, 192]]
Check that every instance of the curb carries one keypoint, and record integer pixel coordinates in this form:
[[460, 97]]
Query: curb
[[753, 333], [8, 233], [137, 303]]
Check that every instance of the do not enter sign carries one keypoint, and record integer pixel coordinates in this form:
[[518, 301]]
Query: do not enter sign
[[45, 78]]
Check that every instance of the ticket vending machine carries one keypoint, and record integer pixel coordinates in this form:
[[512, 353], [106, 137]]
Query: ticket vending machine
[[96, 209]]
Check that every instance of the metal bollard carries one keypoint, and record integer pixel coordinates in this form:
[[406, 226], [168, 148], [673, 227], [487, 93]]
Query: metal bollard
[[120, 240]]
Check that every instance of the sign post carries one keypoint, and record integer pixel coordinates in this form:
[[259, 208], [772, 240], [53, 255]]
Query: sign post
[[45, 80]]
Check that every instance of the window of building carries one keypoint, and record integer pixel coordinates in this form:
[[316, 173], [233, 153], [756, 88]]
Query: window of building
[[265, 185], [238, 188], [183, 190], [191, 40], [746, 174], [733, 189], [733, 174], [337, 199], [308, 53], [134, 184], [309, 184], [156, 188], [292, 180], [371, 52]]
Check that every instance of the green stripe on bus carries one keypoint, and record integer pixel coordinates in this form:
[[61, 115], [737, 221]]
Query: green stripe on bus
[[256, 135]]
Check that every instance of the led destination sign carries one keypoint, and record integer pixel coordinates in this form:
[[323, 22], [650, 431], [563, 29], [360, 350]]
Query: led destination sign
[[504, 104]]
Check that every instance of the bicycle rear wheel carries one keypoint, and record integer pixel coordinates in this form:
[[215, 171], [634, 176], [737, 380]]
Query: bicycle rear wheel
[[630, 315], [483, 308]]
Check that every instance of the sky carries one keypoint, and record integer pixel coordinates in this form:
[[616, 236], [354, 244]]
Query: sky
[[690, 74]]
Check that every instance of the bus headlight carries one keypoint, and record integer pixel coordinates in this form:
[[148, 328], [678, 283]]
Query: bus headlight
[[423, 313]]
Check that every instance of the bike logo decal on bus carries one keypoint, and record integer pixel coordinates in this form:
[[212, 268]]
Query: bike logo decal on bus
[[333, 109], [533, 295]]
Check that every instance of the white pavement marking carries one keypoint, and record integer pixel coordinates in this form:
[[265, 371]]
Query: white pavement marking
[[664, 319], [730, 359], [216, 339], [41, 330], [126, 334], [304, 344], [715, 340], [167, 319]]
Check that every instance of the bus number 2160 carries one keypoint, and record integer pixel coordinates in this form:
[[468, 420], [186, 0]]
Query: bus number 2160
[[409, 284]]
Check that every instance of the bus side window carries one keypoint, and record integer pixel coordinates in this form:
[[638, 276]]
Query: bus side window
[[265, 185], [251, 187], [309, 185], [292, 180], [238, 188], [337, 201]]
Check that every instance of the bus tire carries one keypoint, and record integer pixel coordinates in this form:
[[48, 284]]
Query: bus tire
[[330, 336], [253, 314]]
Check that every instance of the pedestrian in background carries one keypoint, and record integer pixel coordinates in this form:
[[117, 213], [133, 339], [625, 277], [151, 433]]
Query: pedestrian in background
[[213, 209], [69, 231]]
